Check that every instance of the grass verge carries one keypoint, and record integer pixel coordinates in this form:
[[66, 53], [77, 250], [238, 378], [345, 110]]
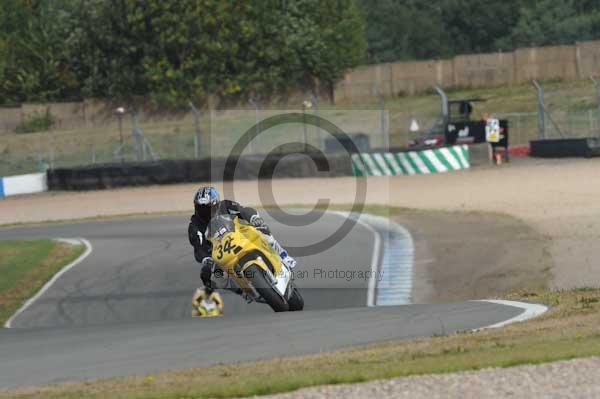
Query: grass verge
[[567, 331], [26, 265]]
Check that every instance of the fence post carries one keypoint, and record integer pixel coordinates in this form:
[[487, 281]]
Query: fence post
[[138, 137], [382, 122], [143, 145], [196, 130], [120, 111], [256, 124], [543, 111], [304, 132], [540, 110], [519, 129], [315, 102], [597, 86], [384, 125], [444, 103]]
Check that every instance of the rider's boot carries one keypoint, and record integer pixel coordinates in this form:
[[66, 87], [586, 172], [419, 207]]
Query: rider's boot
[[285, 257]]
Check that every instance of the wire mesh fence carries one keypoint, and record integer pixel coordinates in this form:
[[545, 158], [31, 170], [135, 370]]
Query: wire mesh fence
[[66, 148], [289, 130], [194, 134], [523, 127], [564, 110], [567, 112]]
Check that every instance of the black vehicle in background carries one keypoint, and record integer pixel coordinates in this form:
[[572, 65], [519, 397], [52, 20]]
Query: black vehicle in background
[[456, 126]]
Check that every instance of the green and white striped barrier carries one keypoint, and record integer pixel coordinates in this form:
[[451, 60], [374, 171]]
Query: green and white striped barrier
[[436, 160]]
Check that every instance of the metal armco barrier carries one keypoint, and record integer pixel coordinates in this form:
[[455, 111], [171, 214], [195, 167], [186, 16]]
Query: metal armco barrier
[[436, 160]]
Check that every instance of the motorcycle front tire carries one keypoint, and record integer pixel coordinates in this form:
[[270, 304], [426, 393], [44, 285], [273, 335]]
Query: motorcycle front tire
[[296, 302], [261, 284]]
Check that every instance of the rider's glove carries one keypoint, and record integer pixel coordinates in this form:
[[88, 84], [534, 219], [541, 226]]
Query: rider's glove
[[260, 224]]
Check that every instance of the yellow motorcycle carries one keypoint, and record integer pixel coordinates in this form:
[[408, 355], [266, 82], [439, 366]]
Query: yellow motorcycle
[[246, 255]]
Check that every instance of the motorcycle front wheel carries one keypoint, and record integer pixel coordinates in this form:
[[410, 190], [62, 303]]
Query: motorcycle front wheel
[[259, 281], [296, 302]]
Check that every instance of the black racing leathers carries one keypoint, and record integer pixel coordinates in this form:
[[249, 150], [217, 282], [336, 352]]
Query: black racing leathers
[[202, 246]]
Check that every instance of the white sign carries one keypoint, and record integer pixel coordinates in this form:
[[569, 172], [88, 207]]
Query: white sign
[[25, 184], [414, 126], [492, 131]]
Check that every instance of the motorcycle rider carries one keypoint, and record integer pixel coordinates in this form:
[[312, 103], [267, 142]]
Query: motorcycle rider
[[206, 205]]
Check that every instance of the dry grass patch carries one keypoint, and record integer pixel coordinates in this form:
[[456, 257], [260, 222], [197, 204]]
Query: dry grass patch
[[568, 330]]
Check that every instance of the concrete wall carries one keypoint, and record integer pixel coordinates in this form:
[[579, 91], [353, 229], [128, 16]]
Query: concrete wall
[[578, 61], [555, 62], [483, 69], [588, 56], [10, 118]]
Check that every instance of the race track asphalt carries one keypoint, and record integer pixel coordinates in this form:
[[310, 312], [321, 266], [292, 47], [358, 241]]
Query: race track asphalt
[[125, 309], [143, 269]]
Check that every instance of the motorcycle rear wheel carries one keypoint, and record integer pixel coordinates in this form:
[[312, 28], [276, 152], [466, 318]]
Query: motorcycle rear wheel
[[259, 281]]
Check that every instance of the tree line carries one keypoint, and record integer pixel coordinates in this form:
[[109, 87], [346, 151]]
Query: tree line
[[178, 51], [417, 29], [174, 51]]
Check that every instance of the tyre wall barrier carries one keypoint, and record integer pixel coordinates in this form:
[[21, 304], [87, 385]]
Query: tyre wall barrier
[[23, 184], [562, 148], [104, 176], [436, 160]]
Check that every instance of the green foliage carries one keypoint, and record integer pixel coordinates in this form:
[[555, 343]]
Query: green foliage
[[37, 122], [476, 26], [401, 30], [411, 29], [550, 22], [35, 56], [174, 51]]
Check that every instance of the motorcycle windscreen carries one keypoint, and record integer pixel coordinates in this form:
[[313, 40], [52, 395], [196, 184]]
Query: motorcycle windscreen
[[220, 225]]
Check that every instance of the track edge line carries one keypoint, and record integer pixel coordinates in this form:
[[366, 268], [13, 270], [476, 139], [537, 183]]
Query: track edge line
[[49, 283], [530, 311], [375, 258]]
